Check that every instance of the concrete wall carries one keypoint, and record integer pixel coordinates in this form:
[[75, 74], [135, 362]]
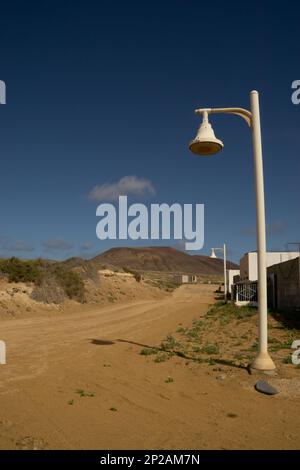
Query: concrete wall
[[284, 285]]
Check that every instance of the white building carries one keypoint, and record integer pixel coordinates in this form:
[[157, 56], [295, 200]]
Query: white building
[[186, 279], [230, 275], [248, 263]]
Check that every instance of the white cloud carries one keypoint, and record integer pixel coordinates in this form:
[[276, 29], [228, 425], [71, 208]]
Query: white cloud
[[277, 227], [15, 245], [86, 246], [55, 245], [128, 185]]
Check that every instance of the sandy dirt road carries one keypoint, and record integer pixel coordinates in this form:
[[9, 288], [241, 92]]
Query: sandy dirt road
[[126, 402]]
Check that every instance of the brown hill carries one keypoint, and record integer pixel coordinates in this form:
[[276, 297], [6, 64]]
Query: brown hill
[[163, 259]]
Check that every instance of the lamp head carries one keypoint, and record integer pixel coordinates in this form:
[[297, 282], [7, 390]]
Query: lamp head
[[205, 142], [213, 253]]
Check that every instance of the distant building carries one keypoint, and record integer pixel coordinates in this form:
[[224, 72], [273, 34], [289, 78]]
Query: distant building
[[186, 279], [248, 263]]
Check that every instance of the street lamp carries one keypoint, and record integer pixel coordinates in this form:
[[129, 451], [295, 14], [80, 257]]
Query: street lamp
[[206, 144], [213, 255]]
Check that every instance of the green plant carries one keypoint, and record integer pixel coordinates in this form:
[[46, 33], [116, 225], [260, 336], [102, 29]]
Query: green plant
[[287, 360], [276, 345], [161, 357], [22, 271], [224, 320], [198, 324], [254, 346], [210, 349], [169, 380], [228, 310], [169, 343], [193, 333], [148, 351], [239, 357], [210, 361], [71, 282], [180, 353], [137, 276], [181, 330]]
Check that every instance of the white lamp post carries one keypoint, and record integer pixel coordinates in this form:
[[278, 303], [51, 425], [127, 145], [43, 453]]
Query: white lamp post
[[206, 143], [213, 255]]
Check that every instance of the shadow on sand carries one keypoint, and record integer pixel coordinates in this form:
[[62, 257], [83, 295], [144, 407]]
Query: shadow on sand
[[101, 342], [223, 362]]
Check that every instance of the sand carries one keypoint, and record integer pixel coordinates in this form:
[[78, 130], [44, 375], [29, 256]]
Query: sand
[[77, 381]]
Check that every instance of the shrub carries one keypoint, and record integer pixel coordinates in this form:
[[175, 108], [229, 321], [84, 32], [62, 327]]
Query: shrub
[[148, 351], [169, 343], [137, 276], [210, 349], [71, 282], [22, 271]]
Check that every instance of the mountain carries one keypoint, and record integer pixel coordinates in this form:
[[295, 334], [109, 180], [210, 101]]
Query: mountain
[[163, 259]]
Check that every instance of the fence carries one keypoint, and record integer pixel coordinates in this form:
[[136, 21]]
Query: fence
[[245, 293]]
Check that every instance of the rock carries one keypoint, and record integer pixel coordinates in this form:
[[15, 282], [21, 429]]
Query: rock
[[221, 377], [264, 387], [13, 291]]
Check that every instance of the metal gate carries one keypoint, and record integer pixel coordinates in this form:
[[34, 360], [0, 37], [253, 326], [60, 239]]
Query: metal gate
[[245, 292]]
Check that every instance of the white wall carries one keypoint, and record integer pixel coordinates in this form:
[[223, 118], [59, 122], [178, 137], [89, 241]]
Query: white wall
[[248, 263], [230, 274]]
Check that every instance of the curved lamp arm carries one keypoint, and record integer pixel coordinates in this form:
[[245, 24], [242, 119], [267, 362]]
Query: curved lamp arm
[[243, 113], [219, 249]]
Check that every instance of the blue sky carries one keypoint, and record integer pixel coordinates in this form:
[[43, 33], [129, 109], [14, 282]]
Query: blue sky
[[101, 90]]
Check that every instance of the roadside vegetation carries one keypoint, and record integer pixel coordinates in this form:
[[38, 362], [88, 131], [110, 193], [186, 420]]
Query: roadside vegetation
[[18, 270], [53, 282], [136, 274], [227, 335]]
